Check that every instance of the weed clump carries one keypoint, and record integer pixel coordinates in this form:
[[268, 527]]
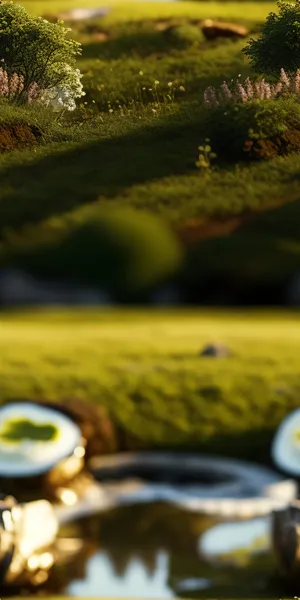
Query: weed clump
[[254, 129]]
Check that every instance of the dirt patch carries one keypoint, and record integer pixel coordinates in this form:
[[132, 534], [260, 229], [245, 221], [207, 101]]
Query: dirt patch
[[163, 25], [214, 29], [100, 37], [200, 230], [195, 230], [17, 135], [268, 148]]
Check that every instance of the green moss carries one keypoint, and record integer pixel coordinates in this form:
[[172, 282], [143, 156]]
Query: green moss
[[17, 430]]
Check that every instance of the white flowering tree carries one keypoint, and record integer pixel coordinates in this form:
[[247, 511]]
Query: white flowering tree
[[41, 55], [63, 97]]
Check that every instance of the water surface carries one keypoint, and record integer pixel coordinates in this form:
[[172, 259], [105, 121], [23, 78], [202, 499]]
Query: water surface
[[159, 551]]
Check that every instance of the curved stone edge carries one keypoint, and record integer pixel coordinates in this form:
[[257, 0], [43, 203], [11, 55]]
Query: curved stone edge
[[267, 490]]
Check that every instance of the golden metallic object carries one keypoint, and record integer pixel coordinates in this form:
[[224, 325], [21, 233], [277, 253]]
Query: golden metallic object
[[27, 533], [63, 474]]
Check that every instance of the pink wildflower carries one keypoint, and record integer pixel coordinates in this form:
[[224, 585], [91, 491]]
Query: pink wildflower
[[297, 82], [259, 90], [210, 96], [4, 89], [268, 91], [284, 78], [278, 88], [241, 93], [225, 92], [249, 88], [33, 92]]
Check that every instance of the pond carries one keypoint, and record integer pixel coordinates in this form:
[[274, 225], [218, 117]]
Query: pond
[[151, 525], [157, 550]]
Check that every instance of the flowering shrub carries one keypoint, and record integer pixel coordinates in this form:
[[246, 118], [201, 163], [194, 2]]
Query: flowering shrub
[[63, 97], [278, 45], [38, 61], [249, 90], [57, 98]]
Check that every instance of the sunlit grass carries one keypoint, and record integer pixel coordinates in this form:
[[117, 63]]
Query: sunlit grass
[[139, 10], [147, 369], [131, 145]]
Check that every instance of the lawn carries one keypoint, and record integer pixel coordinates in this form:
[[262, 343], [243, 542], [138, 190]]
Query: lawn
[[133, 142], [146, 369], [140, 10]]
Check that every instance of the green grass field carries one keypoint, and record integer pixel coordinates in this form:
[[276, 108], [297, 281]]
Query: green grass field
[[146, 368], [124, 11]]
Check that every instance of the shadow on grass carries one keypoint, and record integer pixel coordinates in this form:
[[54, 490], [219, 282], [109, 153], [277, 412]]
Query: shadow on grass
[[55, 184], [249, 445], [254, 264], [140, 44]]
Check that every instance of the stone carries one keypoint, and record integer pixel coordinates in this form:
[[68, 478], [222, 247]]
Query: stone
[[214, 29], [210, 485], [216, 351]]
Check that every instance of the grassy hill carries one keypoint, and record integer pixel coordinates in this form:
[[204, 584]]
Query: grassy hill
[[134, 143]]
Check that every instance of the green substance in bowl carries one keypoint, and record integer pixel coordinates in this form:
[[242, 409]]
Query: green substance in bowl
[[17, 430]]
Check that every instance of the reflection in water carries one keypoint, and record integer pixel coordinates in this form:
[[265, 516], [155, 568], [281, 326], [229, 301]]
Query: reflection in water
[[236, 541], [135, 583], [155, 551], [193, 584]]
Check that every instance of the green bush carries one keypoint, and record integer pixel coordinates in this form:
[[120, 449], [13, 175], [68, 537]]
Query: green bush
[[126, 252], [233, 127], [278, 46], [35, 49], [183, 36]]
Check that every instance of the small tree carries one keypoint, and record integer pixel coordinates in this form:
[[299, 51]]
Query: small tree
[[278, 46], [35, 49]]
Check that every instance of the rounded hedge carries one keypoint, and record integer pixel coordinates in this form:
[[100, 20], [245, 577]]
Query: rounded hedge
[[183, 36], [129, 253]]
